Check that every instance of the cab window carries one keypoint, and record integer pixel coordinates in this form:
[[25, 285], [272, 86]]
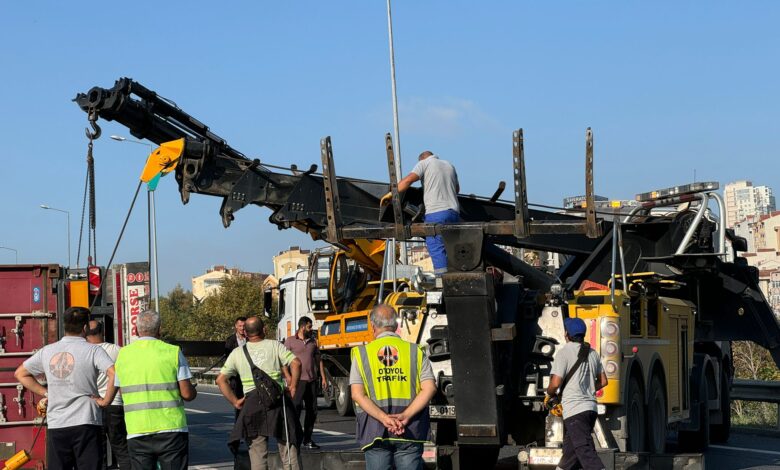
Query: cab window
[[635, 317], [352, 325], [331, 328]]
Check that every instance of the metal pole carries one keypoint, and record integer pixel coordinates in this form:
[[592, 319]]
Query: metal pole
[[396, 131], [68, 214], [149, 239], [154, 251]]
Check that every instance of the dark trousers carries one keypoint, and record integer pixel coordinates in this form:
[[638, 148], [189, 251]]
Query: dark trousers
[[238, 391], [75, 447], [114, 428], [306, 399], [578, 448], [169, 449]]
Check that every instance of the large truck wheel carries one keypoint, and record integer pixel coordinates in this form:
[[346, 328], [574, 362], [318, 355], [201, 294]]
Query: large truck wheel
[[635, 415], [656, 417], [720, 433], [343, 397], [698, 441]]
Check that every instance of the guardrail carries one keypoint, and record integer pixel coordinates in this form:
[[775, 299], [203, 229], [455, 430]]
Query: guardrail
[[759, 391]]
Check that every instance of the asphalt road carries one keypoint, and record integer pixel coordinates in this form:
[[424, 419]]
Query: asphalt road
[[210, 419]]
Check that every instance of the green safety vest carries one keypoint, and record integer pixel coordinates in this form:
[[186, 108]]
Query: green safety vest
[[390, 368], [147, 371]]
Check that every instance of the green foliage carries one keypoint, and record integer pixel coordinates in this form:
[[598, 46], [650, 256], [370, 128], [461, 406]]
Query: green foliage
[[176, 310], [213, 318], [752, 362]]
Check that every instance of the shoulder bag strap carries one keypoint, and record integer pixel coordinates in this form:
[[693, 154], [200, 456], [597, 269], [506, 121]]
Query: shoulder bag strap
[[255, 370], [581, 356]]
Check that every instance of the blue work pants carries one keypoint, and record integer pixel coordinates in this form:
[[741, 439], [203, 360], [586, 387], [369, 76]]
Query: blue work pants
[[435, 243], [386, 455]]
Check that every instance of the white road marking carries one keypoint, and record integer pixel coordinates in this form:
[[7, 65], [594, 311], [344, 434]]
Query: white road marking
[[331, 433], [760, 451], [209, 393], [226, 465], [200, 412]]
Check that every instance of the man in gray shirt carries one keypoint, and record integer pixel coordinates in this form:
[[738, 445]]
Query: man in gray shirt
[[578, 397], [71, 366], [440, 196]]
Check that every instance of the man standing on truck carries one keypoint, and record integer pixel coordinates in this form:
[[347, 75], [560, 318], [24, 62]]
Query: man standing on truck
[[304, 346], [71, 366], [576, 376], [440, 196], [154, 378], [113, 414], [232, 342], [265, 412], [391, 382]]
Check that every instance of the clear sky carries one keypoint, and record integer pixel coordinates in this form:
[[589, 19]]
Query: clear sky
[[668, 88]]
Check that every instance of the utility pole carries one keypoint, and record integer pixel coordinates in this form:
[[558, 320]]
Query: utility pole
[[397, 136]]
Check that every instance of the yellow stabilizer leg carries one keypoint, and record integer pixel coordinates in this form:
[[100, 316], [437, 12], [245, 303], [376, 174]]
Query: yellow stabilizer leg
[[17, 460], [163, 160]]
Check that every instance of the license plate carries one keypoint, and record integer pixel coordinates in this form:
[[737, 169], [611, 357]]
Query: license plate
[[442, 411], [542, 456]]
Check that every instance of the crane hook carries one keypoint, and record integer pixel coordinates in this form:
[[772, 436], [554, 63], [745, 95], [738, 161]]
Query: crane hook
[[96, 131]]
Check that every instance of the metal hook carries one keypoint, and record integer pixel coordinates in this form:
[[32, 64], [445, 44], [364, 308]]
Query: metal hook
[[96, 131]]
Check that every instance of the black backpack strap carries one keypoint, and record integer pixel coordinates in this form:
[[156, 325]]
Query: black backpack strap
[[581, 356]]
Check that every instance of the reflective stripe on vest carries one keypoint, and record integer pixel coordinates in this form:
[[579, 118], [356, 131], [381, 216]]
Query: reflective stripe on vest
[[390, 369], [148, 372]]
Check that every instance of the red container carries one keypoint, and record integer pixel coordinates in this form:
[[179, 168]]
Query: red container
[[30, 298]]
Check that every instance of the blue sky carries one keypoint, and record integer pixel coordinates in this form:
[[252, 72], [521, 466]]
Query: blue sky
[[668, 87]]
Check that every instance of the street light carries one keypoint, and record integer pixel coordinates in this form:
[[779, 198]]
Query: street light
[[16, 253], [151, 225], [44, 206]]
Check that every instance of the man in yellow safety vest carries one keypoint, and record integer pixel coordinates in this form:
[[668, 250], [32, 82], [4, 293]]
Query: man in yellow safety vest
[[392, 383], [154, 378]]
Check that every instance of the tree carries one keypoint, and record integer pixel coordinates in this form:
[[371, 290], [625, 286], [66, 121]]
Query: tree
[[753, 362], [214, 318], [176, 311]]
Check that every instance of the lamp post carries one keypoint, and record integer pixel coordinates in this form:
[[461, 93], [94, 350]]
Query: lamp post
[[44, 206], [151, 221], [16, 253], [397, 146]]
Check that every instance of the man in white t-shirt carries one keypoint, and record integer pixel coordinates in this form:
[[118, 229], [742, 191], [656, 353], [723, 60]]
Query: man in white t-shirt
[[113, 414], [440, 196], [71, 366]]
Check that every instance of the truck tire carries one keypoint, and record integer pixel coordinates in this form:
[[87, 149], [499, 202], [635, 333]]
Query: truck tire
[[719, 433], [343, 397], [656, 417], [635, 417], [698, 441]]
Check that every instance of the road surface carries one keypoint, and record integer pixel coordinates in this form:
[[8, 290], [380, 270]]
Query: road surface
[[210, 419]]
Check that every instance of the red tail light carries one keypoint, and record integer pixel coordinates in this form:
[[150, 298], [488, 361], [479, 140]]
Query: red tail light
[[93, 276]]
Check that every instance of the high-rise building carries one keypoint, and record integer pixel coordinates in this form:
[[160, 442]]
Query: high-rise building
[[743, 200]]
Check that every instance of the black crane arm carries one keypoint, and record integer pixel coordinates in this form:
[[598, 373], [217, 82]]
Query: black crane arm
[[209, 165]]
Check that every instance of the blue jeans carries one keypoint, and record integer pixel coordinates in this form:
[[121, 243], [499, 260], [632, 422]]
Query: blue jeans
[[435, 244], [405, 455]]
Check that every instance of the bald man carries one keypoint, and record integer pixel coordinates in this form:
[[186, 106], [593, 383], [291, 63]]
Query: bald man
[[440, 196], [256, 424], [392, 416]]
